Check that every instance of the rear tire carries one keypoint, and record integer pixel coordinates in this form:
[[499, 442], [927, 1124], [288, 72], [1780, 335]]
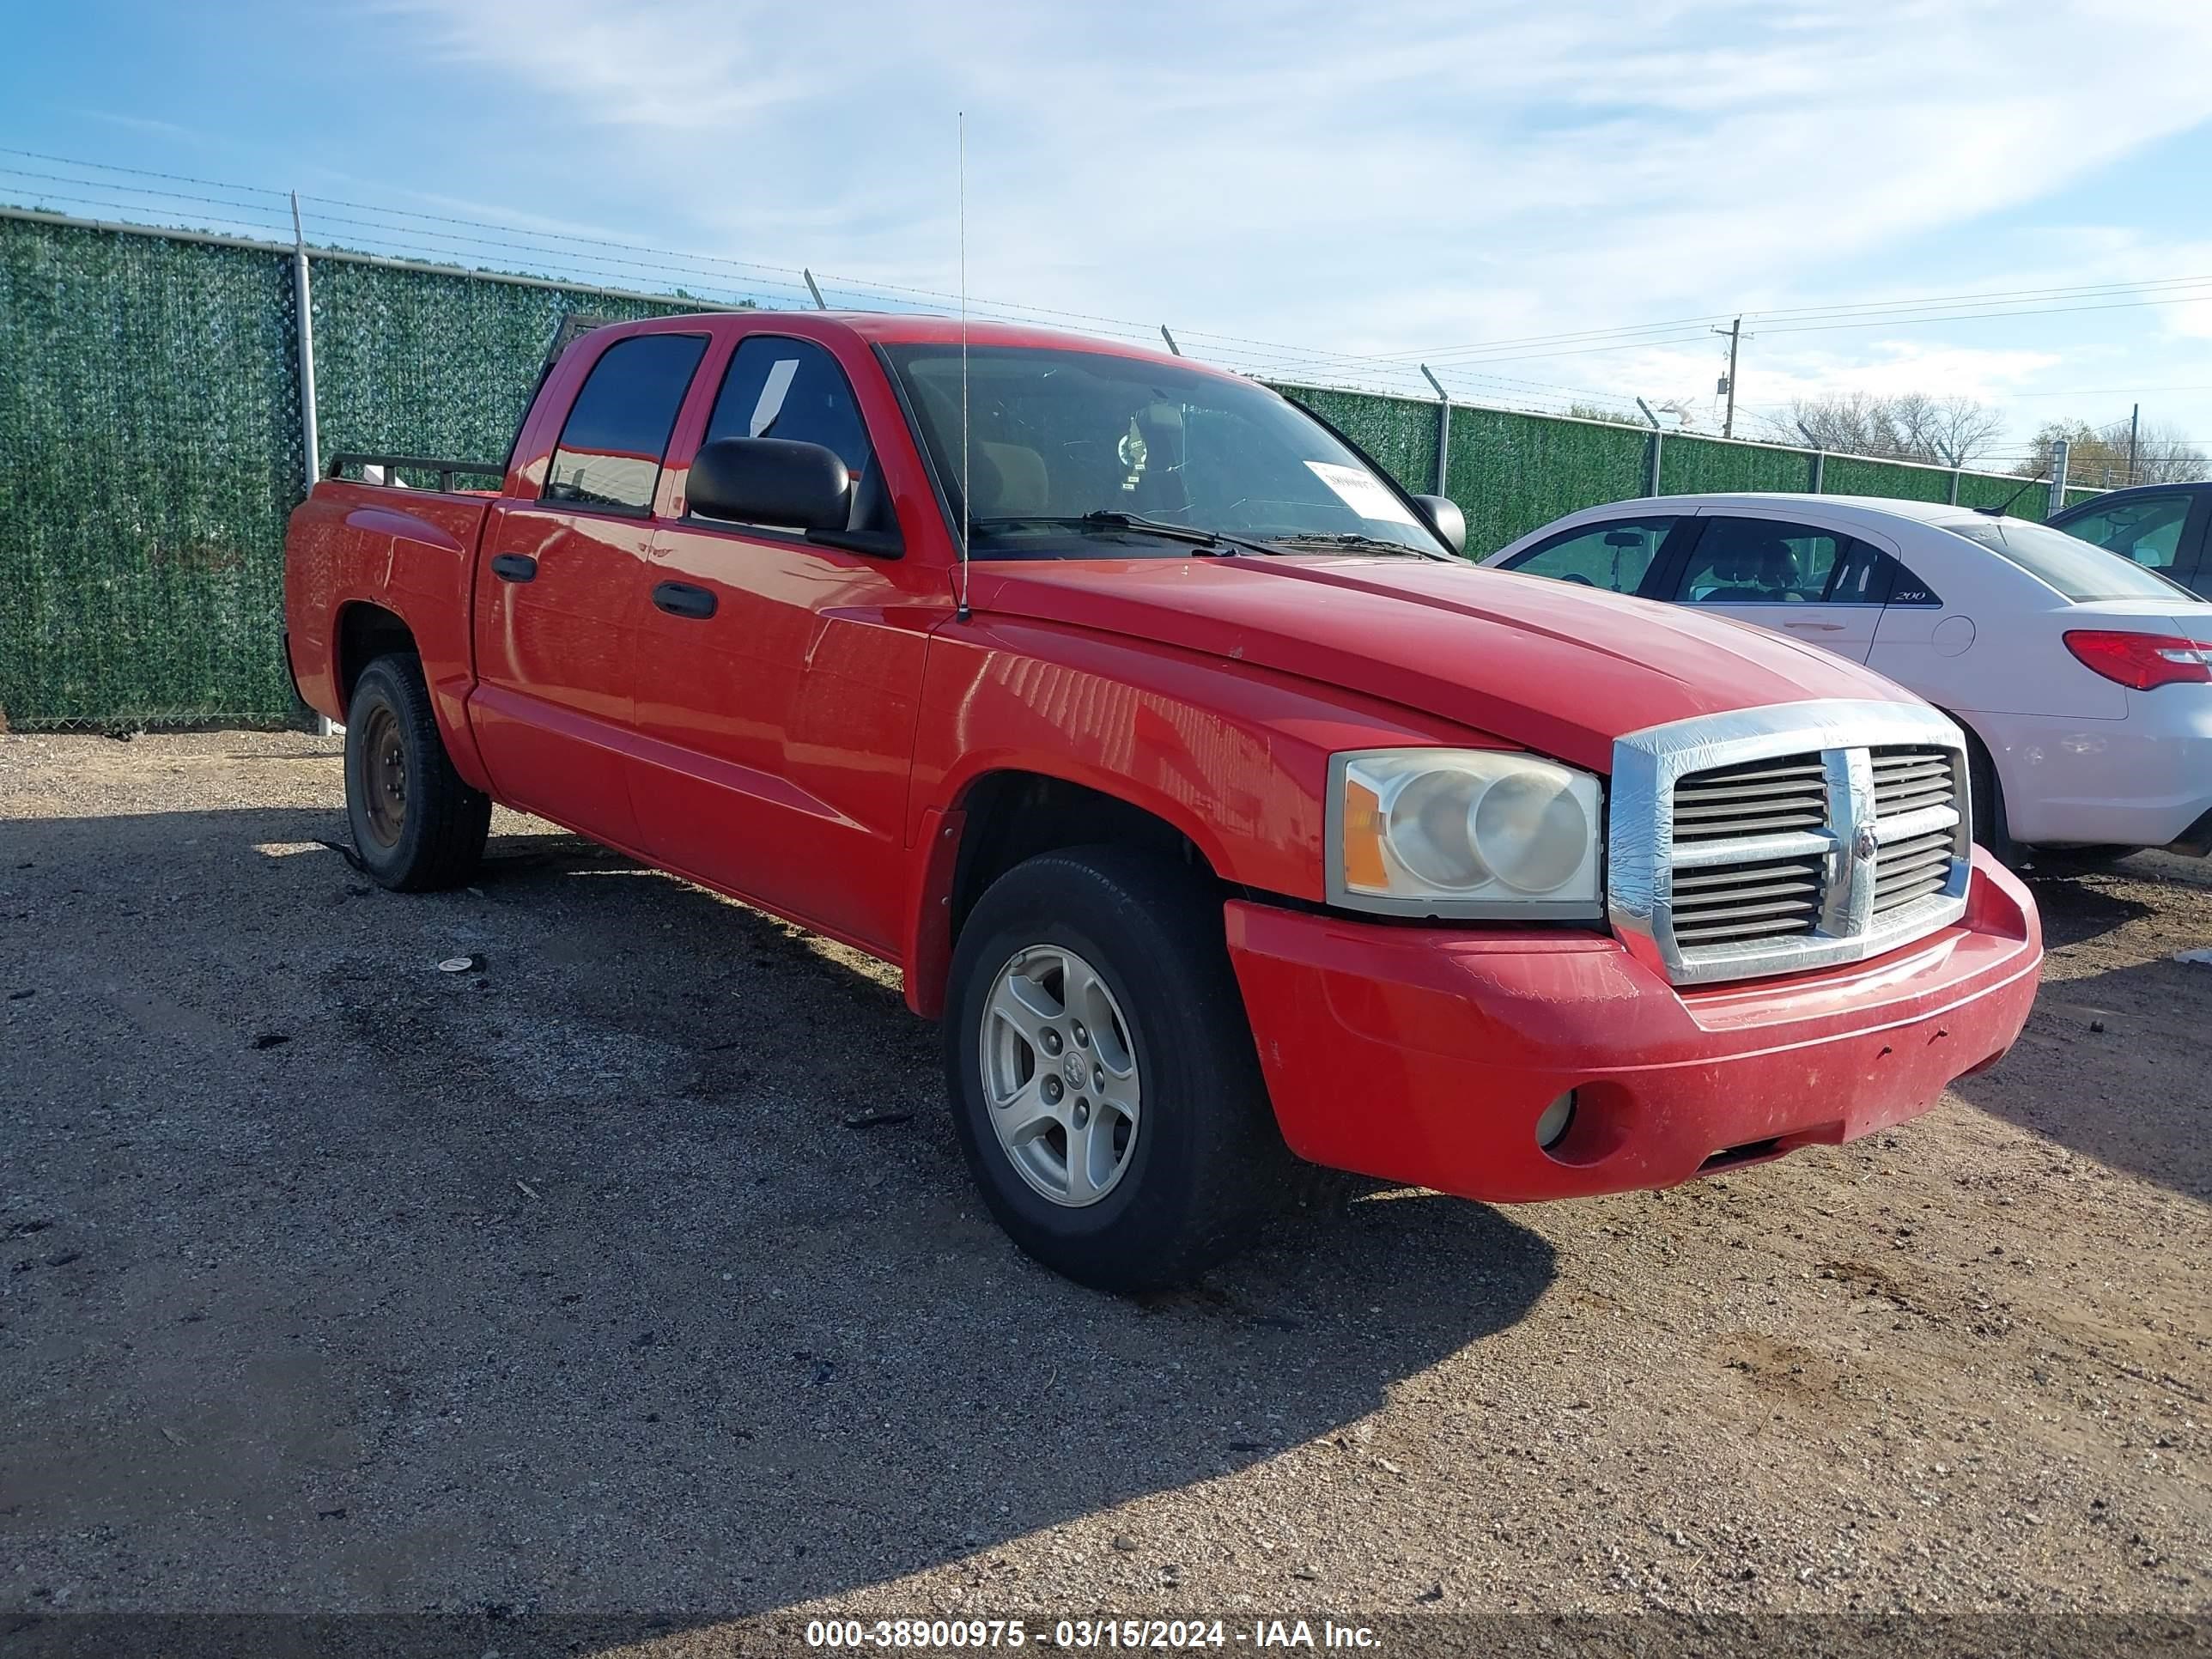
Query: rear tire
[[1179, 1157], [1989, 827], [417, 826]]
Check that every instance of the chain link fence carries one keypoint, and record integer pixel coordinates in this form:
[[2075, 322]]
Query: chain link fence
[[151, 446]]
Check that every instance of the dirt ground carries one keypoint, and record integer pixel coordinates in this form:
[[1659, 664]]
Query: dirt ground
[[336, 1282]]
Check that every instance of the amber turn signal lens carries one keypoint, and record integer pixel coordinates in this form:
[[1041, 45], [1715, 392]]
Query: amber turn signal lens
[[1362, 839]]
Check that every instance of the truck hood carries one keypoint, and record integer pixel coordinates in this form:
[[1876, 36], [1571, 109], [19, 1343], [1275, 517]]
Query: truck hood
[[1552, 667]]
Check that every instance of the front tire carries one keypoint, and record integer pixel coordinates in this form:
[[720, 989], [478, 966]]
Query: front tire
[[417, 826], [1161, 1155]]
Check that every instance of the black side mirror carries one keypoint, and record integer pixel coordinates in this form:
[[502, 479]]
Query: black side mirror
[[1446, 519], [770, 480]]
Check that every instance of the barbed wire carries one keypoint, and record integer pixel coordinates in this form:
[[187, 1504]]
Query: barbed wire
[[555, 254]]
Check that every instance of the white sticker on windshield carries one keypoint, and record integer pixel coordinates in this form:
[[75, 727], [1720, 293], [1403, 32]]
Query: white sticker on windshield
[[772, 395], [1363, 492]]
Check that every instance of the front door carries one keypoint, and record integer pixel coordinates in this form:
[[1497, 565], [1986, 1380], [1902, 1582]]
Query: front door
[[558, 597], [1780, 574], [778, 679]]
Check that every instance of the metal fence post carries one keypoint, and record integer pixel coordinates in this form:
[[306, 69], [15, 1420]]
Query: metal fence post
[[1443, 431], [2058, 478], [1956, 474], [303, 303], [1819, 459], [1650, 450], [310, 437]]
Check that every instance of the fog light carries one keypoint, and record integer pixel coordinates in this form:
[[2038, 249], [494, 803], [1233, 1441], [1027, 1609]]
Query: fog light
[[1554, 1124]]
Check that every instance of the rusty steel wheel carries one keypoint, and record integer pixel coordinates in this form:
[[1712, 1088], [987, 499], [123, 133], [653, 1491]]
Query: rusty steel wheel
[[385, 764], [417, 827]]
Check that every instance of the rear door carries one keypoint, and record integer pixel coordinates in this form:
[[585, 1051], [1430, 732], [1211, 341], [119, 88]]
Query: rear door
[[1923, 634], [560, 589], [779, 679], [1782, 574]]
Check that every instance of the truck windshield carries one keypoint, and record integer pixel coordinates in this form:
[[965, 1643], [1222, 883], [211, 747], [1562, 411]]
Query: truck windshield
[[1060, 440]]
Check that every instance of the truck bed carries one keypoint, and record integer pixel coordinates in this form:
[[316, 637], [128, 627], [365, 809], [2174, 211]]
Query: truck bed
[[359, 553]]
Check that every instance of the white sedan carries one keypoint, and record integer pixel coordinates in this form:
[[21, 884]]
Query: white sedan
[[2083, 680]]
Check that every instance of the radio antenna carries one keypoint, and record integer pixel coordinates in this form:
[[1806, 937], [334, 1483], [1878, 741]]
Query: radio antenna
[[961, 609]]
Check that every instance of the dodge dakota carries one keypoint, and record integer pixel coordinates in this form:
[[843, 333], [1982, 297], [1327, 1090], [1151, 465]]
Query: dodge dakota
[[1225, 816]]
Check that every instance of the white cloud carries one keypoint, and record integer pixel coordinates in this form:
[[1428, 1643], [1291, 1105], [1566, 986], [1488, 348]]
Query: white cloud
[[1366, 179]]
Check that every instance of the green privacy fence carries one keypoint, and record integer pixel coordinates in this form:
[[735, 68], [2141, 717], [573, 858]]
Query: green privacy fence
[[151, 445], [1512, 472]]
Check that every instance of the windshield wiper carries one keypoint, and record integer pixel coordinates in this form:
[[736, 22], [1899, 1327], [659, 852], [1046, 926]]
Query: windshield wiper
[[1354, 539], [1092, 523]]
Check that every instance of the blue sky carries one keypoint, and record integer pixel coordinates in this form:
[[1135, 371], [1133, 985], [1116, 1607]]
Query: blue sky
[[1386, 182]]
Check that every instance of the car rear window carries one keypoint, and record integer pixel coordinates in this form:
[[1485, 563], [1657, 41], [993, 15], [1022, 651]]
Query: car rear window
[[2080, 572]]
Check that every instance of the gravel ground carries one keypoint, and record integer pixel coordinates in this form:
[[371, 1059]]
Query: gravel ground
[[336, 1282]]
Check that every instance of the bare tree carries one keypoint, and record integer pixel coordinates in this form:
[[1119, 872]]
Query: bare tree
[[1953, 431], [1852, 424], [1582, 411], [2098, 455], [1911, 426], [1684, 417]]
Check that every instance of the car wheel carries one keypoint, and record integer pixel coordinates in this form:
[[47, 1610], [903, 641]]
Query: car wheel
[[1989, 808], [1100, 1063], [417, 825]]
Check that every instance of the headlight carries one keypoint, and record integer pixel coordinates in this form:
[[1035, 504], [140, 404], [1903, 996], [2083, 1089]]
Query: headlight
[[1463, 832]]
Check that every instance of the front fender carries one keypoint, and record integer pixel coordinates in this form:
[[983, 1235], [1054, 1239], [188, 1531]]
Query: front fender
[[1234, 756]]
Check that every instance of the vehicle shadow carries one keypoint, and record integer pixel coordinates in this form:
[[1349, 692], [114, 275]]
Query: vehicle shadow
[[632, 1267], [2076, 908], [2094, 1070]]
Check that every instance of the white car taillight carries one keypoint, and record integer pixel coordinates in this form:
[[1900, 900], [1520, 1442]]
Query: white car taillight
[[2142, 661]]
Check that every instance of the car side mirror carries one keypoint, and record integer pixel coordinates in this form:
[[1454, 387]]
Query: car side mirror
[[774, 482], [1446, 519]]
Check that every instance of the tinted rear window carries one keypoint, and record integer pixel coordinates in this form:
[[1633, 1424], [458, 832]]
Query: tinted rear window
[[616, 432], [2076, 569]]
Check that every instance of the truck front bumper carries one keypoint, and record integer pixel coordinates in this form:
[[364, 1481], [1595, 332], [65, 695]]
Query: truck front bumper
[[1427, 1055]]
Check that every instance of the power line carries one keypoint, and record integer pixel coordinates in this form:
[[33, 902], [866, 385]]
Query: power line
[[687, 270], [602, 259], [1800, 312]]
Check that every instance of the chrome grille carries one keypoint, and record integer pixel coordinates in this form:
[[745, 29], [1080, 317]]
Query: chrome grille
[[1912, 869], [1908, 780], [1760, 798], [1764, 900], [1912, 781], [1788, 838]]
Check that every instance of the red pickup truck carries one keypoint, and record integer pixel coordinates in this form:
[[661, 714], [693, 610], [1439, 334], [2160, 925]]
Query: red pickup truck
[[1220, 811]]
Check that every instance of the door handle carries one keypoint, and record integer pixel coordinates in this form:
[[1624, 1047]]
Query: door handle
[[1818, 628], [514, 567], [684, 599]]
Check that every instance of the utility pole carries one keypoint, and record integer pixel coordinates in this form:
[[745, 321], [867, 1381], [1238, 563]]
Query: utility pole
[[1734, 332], [2135, 429]]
